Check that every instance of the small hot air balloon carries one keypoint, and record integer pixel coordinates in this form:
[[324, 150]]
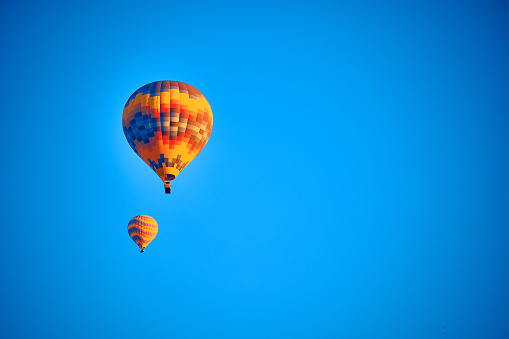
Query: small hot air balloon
[[142, 229], [167, 123]]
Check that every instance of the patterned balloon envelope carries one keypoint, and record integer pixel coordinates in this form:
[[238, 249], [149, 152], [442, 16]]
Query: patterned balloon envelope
[[167, 123], [142, 229]]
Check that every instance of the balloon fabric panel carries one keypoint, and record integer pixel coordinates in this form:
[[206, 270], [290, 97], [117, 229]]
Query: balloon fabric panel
[[167, 123]]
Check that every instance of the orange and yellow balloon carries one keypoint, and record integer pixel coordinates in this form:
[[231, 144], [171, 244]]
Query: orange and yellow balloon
[[142, 229], [167, 123]]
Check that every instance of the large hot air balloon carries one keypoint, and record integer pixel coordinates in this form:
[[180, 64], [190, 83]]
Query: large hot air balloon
[[167, 123], [142, 229]]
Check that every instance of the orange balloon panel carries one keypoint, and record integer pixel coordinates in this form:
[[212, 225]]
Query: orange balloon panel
[[167, 123], [142, 229]]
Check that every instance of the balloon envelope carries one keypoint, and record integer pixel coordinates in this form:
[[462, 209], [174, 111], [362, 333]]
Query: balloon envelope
[[142, 229], [167, 123]]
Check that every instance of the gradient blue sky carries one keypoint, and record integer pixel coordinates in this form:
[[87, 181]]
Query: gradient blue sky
[[355, 184]]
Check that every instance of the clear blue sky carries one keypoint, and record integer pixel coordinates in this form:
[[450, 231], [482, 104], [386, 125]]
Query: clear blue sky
[[355, 184]]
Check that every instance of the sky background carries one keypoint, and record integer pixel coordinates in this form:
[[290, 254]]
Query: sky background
[[355, 184]]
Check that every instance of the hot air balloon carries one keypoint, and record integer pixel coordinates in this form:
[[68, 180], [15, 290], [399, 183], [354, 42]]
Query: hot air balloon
[[142, 229], [167, 123]]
